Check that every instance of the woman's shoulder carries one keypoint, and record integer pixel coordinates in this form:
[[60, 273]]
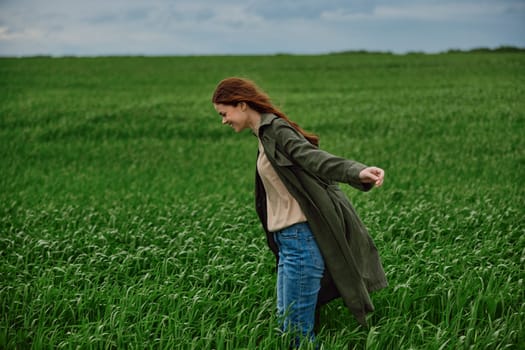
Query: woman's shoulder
[[276, 123], [272, 124]]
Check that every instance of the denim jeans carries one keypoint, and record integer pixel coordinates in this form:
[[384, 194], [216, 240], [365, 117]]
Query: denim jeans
[[299, 274]]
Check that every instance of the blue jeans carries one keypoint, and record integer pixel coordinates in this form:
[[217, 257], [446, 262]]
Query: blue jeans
[[299, 274]]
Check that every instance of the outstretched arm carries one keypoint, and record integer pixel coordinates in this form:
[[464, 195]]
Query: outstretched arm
[[324, 164]]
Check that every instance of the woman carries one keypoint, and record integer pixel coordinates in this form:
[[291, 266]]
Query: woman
[[323, 250]]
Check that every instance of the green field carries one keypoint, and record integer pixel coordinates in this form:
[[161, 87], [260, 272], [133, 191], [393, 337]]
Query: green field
[[127, 216]]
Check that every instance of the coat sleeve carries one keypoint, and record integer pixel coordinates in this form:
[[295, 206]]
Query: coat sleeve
[[316, 161]]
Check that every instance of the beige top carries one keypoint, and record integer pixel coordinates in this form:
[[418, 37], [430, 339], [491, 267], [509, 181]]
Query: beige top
[[282, 209]]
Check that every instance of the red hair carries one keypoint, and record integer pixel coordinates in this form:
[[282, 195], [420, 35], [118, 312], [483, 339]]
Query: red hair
[[232, 91]]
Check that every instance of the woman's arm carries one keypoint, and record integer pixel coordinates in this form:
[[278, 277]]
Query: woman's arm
[[324, 164]]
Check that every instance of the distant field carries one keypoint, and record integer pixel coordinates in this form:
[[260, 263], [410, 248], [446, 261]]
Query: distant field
[[127, 217]]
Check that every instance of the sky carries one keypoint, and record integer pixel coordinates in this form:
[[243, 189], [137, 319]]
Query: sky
[[218, 27]]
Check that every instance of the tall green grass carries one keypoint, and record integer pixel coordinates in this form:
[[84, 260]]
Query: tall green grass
[[127, 215]]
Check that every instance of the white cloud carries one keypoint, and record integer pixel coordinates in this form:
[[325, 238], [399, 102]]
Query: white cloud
[[443, 11], [24, 34]]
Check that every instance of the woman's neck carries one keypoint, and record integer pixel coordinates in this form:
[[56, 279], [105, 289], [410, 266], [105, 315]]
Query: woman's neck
[[254, 121]]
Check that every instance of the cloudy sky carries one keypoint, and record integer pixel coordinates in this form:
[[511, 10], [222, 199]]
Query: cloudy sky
[[193, 27]]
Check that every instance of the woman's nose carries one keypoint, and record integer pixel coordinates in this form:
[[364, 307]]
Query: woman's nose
[[224, 120]]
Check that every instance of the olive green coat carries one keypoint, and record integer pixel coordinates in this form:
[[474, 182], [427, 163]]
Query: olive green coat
[[353, 266]]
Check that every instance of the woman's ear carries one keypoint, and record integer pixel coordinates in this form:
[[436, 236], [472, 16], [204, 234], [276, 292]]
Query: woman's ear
[[243, 106]]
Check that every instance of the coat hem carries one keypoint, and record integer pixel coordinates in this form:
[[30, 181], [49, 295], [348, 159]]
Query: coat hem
[[377, 286]]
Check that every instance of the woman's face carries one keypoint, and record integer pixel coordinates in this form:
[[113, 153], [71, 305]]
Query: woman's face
[[233, 116]]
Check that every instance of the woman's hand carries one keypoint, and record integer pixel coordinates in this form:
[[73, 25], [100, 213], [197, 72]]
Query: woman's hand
[[373, 175]]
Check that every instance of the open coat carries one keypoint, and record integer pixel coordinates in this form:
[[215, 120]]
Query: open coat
[[353, 267]]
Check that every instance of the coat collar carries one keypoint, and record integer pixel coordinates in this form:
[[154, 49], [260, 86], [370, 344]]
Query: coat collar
[[266, 119]]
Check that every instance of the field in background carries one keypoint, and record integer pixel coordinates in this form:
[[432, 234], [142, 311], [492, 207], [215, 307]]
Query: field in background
[[126, 208]]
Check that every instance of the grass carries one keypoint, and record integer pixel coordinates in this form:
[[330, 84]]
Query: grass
[[127, 216]]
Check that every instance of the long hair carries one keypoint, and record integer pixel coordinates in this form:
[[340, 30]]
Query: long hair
[[232, 91]]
